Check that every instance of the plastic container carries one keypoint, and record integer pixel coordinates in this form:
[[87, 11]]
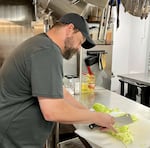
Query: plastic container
[[71, 83], [88, 83]]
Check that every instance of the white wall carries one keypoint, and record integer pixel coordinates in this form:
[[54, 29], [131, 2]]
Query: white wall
[[138, 44], [129, 46]]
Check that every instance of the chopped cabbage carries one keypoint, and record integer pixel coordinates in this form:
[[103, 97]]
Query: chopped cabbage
[[102, 108], [123, 132]]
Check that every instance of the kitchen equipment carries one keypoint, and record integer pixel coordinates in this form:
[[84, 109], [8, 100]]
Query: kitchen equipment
[[119, 121], [94, 57], [71, 83], [138, 8], [88, 83]]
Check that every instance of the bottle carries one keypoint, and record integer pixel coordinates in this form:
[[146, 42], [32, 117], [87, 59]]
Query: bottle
[[109, 36]]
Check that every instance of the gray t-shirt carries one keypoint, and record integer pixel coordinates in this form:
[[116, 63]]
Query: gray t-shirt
[[33, 69]]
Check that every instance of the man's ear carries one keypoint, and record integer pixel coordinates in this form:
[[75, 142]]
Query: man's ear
[[70, 26], [69, 29]]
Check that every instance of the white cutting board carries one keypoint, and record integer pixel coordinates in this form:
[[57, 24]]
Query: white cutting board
[[140, 130]]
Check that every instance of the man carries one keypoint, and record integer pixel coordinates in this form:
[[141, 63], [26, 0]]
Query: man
[[32, 96]]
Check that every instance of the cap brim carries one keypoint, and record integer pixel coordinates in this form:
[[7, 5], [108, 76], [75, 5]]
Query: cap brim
[[89, 43]]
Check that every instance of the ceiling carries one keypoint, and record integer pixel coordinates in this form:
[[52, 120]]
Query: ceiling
[[58, 8]]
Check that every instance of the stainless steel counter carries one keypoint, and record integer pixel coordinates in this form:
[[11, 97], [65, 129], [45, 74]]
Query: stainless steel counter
[[138, 84], [114, 100], [140, 130], [141, 78]]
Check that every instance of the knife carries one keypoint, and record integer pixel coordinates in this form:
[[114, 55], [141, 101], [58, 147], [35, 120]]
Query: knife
[[119, 121]]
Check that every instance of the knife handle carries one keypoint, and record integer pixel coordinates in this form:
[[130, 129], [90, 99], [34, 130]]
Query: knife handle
[[91, 126]]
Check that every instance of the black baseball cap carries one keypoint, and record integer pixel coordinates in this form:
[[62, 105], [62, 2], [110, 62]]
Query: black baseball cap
[[80, 23]]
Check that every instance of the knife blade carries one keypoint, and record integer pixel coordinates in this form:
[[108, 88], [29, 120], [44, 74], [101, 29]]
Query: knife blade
[[119, 121], [123, 120]]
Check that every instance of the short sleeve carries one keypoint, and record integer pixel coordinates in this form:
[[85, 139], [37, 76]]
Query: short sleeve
[[47, 74]]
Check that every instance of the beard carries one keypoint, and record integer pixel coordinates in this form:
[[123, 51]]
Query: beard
[[69, 50]]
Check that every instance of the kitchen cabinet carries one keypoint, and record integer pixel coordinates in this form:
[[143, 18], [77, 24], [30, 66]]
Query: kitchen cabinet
[[15, 25]]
